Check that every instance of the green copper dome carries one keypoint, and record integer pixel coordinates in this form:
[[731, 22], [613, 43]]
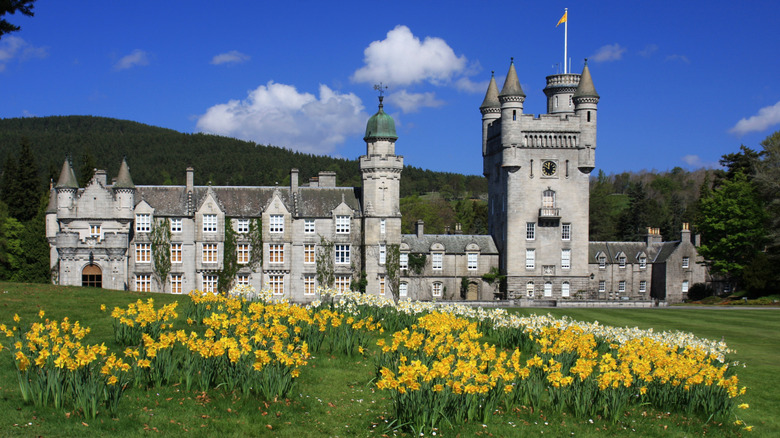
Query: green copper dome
[[380, 126]]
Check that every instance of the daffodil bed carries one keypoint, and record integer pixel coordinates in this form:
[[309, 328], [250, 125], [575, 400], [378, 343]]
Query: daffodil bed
[[435, 363]]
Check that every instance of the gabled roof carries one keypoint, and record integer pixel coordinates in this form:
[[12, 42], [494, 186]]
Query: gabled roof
[[453, 243], [248, 201], [655, 252]]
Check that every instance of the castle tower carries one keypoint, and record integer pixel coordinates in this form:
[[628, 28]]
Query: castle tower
[[537, 169], [381, 172], [124, 190], [66, 188]]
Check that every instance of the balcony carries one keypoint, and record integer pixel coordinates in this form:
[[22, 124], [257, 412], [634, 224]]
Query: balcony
[[549, 213]]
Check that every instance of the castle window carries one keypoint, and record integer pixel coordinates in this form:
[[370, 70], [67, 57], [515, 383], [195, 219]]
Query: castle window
[[209, 253], [642, 262], [589, 116], [176, 287], [342, 224], [276, 253], [602, 286], [382, 226], [308, 226], [548, 288], [143, 252], [381, 285], [622, 286], [643, 286], [565, 259], [514, 114], [565, 231], [176, 225], [342, 254], [530, 258], [530, 231], [242, 226], [210, 283], [622, 262], [382, 254], [529, 289], [143, 223], [242, 280], [556, 101], [309, 285], [94, 231], [685, 286], [276, 224], [308, 253], [276, 284], [343, 282], [686, 261], [403, 261], [143, 283], [242, 250], [175, 252], [209, 223], [403, 290], [602, 262], [437, 261], [565, 287], [437, 289], [548, 199], [569, 101], [471, 261]]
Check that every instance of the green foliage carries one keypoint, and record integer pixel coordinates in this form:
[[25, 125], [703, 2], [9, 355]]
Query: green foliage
[[87, 170], [24, 7], [230, 267], [21, 186], [255, 243], [416, 263], [161, 250], [393, 268], [464, 287], [325, 270], [731, 220], [699, 291], [360, 283]]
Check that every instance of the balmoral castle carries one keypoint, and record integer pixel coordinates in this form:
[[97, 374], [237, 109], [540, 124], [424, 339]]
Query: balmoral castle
[[289, 239]]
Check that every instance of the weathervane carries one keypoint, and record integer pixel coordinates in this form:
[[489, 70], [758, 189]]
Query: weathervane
[[381, 89]]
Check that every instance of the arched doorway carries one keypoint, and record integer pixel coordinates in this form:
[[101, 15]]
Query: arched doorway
[[92, 276], [473, 291]]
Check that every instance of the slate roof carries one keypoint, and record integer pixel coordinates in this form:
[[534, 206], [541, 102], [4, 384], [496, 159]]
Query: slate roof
[[238, 201], [453, 243], [655, 252]]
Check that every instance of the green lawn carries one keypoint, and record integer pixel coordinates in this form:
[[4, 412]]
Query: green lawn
[[335, 397]]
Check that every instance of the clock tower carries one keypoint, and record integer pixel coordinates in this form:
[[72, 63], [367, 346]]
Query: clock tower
[[538, 182]]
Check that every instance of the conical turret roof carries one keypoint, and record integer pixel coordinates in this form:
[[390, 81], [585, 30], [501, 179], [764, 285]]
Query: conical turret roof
[[491, 97], [512, 83], [67, 178], [380, 125], [123, 180], [586, 88]]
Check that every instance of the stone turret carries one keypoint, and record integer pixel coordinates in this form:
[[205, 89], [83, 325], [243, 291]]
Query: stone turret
[[67, 187], [511, 98], [490, 109], [586, 101], [124, 190], [560, 93]]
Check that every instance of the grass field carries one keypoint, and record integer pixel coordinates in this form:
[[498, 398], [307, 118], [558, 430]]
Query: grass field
[[335, 396]]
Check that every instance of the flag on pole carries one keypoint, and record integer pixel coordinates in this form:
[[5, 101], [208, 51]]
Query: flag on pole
[[563, 19]]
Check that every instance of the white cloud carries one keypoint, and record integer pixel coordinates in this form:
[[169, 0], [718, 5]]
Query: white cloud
[[697, 162], [610, 52], [135, 58], [469, 86], [681, 58], [648, 51], [231, 57], [766, 117], [278, 114], [13, 47], [412, 102], [402, 59]]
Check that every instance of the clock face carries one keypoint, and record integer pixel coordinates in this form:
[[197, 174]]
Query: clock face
[[549, 168]]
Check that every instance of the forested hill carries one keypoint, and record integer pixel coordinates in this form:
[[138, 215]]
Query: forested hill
[[160, 156]]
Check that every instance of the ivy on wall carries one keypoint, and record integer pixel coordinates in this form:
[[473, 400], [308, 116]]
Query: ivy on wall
[[161, 250]]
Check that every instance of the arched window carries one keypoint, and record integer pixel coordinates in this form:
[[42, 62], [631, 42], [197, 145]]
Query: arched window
[[547, 288], [403, 290], [565, 289], [529, 289], [92, 276], [436, 289]]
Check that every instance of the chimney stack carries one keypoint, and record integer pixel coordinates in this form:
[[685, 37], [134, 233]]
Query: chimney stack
[[420, 227], [294, 180]]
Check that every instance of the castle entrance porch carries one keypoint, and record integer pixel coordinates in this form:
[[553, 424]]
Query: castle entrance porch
[[92, 276]]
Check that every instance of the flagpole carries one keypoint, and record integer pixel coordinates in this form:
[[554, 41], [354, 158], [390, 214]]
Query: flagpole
[[566, 39]]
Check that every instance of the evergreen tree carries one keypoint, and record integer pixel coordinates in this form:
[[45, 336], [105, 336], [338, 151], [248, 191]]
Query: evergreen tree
[[24, 7], [22, 199], [635, 219], [9, 184], [87, 170]]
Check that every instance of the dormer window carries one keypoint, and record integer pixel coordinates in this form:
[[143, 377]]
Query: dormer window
[[143, 222], [622, 261], [342, 224], [642, 262], [209, 223], [276, 224], [602, 262]]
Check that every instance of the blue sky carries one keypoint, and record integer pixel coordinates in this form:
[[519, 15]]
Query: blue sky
[[681, 83]]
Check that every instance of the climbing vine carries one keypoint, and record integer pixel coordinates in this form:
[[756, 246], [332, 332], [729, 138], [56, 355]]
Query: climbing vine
[[393, 268], [325, 271], [417, 263], [230, 267], [255, 243], [161, 250]]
